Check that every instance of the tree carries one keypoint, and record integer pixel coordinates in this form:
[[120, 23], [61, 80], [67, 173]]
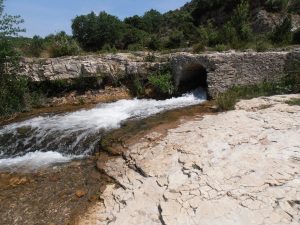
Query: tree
[[152, 21], [12, 88], [93, 32], [36, 46], [135, 21], [63, 45], [9, 24], [282, 33], [241, 21]]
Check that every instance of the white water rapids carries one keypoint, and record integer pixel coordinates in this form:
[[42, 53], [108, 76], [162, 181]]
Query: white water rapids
[[60, 138]]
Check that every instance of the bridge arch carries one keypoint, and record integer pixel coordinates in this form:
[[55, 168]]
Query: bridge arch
[[191, 76]]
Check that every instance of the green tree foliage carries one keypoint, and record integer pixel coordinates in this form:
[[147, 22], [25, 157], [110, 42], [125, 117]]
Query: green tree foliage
[[93, 32], [277, 5], [292, 6], [9, 25], [282, 33], [36, 46], [62, 45], [162, 82], [175, 40], [199, 23], [13, 89], [296, 37], [152, 21], [241, 21], [209, 34]]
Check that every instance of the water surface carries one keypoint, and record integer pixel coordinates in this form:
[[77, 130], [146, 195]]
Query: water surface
[[60, 138]]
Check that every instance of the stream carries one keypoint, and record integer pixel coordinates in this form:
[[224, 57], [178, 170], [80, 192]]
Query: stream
[[59, 138]]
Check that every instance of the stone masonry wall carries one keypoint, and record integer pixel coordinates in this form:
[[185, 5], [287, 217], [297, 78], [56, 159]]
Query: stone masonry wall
[[116, 66], [224, 70]]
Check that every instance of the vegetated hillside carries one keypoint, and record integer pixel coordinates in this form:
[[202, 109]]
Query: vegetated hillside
[[201, 24]]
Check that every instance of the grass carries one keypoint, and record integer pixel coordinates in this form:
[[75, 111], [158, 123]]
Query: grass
[[227, 100], [294, 101]]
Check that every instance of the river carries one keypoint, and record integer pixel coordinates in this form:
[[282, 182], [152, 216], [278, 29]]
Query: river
[[59, 138]]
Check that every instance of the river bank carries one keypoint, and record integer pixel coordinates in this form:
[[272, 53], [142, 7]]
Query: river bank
[[237, 167], [71, 101], [49, 194]]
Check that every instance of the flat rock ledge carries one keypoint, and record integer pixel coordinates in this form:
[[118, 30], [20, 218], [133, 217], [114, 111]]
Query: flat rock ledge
[[237, 167]]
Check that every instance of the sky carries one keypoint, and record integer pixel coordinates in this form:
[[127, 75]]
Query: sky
[[43, 17]]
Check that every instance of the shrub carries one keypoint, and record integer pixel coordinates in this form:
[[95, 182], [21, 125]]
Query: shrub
[[107, 48], [63, 45], [276, 5], [150, 58], [294, 101], [296, 36], [262, 45], [288, 84], [162, 82], [227, 100], [221, 48], [36, 46], [154, 43], [240, 21], [209, 34], [135, 47], [198, 48], [282, 33], [138, 87], [175, 40], [229, 34]]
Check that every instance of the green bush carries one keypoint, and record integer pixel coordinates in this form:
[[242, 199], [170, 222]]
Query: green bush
[[240, 20], [209, 34], [198, 48], [138, 87], [296, 36], [162, 82], [277, 5], [150, 58], [287, 85], [294, 101], [135, 47], [175, 39], [229, 34], [221, 48], [37, 46], [63, 45], [262, 45], [108, 49], [282, 33], [154, 43], [227, 100]]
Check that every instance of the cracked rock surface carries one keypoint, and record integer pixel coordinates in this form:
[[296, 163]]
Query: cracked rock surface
[[237, 167]]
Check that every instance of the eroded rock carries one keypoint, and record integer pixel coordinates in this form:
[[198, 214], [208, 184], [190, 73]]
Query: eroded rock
[[237, 167]]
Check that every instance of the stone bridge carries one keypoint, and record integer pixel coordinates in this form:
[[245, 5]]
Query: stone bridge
[[215, 71]]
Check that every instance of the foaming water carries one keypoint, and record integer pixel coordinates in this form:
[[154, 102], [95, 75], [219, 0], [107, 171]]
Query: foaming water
[[58, 138]]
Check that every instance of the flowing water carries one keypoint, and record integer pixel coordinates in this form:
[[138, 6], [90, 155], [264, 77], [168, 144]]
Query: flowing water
[[59, 138]]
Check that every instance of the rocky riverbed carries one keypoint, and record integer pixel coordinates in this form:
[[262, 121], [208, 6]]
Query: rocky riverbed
[[236, 167]]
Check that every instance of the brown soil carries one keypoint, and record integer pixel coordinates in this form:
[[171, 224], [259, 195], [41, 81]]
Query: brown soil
[[54, 196]]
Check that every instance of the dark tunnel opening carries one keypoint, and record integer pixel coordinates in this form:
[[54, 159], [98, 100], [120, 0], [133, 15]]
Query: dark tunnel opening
[[193, 76]]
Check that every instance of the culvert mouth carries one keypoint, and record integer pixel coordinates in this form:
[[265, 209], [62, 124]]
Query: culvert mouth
[[192, 76]]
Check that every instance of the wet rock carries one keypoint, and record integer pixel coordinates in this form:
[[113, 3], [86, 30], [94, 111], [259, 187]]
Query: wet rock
[[80, 193]]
